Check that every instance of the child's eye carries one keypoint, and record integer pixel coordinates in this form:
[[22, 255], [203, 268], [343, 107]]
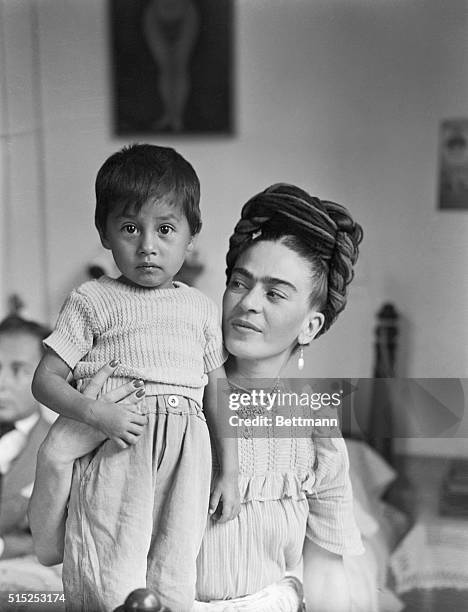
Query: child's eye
[[129, 228], [166, 229]]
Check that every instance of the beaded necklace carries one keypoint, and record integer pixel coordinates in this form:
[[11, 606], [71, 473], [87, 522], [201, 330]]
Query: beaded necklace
[[252, 410]]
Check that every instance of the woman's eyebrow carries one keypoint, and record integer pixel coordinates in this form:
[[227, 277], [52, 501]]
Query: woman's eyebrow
[[271, 280], [268, 280], [244, 272]]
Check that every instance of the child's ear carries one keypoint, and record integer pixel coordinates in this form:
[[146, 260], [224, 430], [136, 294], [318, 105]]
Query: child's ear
[[191, 244], [105, 243]]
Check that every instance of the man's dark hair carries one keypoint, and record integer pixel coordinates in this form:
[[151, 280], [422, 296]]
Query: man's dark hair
[[14, 324], [141, 173]]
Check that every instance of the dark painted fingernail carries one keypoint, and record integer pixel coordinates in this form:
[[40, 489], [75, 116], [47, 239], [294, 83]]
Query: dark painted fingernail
[[140, 393], [114, 363], [138, 383]]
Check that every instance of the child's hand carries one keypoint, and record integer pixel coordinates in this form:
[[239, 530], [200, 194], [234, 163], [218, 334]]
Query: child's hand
[[225, 498], [121, 422]]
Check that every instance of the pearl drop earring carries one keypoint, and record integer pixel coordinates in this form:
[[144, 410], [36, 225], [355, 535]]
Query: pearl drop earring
[[300, 361]]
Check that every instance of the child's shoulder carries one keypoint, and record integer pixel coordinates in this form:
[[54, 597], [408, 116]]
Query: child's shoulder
[[95, 287]]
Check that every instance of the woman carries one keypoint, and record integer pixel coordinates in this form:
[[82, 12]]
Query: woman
[[289, 262]]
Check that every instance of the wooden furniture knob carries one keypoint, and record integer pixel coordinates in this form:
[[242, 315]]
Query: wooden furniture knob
[[141, 600]]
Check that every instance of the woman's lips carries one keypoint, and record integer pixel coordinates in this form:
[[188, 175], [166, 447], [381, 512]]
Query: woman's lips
[[242, 325]]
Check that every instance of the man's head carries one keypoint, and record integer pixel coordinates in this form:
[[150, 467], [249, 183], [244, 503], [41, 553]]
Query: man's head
[[20, 352]]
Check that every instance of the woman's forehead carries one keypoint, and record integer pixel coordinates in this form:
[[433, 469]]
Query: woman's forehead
[[268, 259]]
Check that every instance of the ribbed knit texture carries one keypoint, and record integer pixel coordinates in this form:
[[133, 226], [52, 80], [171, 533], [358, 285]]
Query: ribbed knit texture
[[317, 469], [171, 338], [291, 489]]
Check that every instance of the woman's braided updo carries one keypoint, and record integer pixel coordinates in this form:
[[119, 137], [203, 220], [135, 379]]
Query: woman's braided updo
[[321, 232]]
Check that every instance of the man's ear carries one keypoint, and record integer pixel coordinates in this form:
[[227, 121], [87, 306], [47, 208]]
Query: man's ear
[[313, 323], [104, 241]]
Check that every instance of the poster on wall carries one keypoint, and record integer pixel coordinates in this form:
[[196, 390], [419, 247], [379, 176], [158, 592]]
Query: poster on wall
[[172, 66], [453, 179]]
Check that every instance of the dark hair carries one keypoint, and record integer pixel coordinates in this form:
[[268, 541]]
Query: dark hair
[[142, 172], [321, 232], [13, 324]]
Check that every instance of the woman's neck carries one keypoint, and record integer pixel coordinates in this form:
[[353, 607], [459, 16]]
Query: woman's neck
[[270, 367]]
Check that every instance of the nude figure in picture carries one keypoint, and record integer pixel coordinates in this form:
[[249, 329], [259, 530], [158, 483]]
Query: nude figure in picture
[[171, 28]]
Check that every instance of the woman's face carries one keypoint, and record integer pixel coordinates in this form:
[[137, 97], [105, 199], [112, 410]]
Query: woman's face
[[266, 305]]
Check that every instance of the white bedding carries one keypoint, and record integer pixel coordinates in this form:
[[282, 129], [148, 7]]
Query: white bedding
[[381, 528]]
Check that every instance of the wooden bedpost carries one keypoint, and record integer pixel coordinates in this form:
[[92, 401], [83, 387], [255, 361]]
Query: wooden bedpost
[[380, 429]]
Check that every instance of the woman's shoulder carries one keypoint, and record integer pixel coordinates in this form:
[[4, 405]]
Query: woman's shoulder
[[332, 460]]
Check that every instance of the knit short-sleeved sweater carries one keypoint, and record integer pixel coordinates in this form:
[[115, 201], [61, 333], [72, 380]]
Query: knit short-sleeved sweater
[[171, 338]]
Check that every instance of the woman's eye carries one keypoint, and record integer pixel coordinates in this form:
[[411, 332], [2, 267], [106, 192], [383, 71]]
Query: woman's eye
[[234, 283], [129, 228], [166, 229], [275, 295]]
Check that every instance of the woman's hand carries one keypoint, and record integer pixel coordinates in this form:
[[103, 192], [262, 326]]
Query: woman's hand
[[68, 439], [114, 417], [225, 497]]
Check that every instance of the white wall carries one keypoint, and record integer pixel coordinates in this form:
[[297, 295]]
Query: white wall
[[23, 248], [343, 97]]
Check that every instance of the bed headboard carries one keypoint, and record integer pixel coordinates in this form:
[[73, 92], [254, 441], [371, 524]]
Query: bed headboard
[[370, 416], [379, 433]]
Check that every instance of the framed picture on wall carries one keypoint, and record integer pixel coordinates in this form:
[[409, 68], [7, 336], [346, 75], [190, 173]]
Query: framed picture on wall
[[453, 179], [172, 63]]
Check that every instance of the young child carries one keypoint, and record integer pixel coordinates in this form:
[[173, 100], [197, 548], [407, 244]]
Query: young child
[[139, 505]]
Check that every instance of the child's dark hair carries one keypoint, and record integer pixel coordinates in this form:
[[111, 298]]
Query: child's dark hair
[[140, 173], [14, 324]]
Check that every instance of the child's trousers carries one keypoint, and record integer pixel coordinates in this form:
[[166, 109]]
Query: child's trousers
[[136, 516]]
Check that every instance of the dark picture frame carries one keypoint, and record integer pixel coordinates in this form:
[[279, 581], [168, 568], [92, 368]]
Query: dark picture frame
[[453, 160], [172, 66]]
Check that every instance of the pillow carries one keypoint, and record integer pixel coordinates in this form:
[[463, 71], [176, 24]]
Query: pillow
[[370, 476], [367, 525], [369, 468]]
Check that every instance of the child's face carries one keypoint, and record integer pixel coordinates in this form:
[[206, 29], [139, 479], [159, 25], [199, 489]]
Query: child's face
[[149, 246]]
